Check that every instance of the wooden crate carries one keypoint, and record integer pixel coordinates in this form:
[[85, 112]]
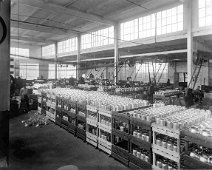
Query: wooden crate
[[134, 166], [139, 142], [105, 127], [138, 162], [164, 154], [92, 139], [91, 122], [105, 149]]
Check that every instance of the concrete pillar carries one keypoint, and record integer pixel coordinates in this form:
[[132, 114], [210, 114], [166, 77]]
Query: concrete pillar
[[56, 54], [5, 80], [78, 56], [188, 14], [116, 51]]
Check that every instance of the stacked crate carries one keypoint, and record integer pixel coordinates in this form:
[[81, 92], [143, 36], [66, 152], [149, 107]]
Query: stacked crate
[[92, 126], [188, 160], [168, 150], [51, 107], [43, 103], [58, 110], [81, 121], [120, 137], [140, 143], [33, 102], [105, 131]]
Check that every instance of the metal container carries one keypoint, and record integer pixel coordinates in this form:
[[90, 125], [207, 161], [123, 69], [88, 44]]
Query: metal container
[[142, 157], [170, 146], [159, 164], [175, 148], [169, 124], [138, 154], [164, 166], [138, 134], [147, 138], [135, 152], [135, 133], [164, 144], [170, 167], [158, 142], [146, 158]]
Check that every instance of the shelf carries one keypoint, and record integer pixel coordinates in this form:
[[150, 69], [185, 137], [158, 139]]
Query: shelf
[[166, 155], [139, 142], [144, 124], [139, 162], [91, 108], [105, 127], [91, 122], [167, 151], [92, 136], [103, 148], [198, 139], [120, 158], [105, 113], [105, 143], [165, 131], [193, 163]]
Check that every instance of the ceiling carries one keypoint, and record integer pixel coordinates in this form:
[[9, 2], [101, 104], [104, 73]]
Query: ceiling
[[41, 22]]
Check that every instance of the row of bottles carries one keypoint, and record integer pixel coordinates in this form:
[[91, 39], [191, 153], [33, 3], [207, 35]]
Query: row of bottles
[[201, 153], [165, 163], [140, 133], [122, 126], [169, 142], [141, 153], [105, 120]]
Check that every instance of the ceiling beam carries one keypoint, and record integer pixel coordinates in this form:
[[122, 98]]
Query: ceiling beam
[[31, 39], [60, 10], [41, 28]]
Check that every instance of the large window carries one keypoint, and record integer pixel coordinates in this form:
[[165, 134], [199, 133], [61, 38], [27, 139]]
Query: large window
[[98, 38], [129, 30], [67, 45], [66, 71], [167, 21], [147, 26], [146, 70], [19, 51], [51, 71], [29, 71], [48, 51], [170, 20], [205, 13]]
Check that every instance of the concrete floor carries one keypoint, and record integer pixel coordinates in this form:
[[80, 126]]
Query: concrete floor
[[50, 147]]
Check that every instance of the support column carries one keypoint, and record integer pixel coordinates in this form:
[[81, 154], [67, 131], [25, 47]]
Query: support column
[[4, 81], [188, 12], [116, 51], [55, 59], [78, 56]]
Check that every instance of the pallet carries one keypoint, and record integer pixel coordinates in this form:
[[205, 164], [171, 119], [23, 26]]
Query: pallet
[[121, 152], [72, 128], [134, 167], [119, 158], [80, 134], [106, 150], [138, 162]]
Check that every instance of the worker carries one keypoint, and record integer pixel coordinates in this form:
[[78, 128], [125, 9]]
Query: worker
[[127, 85], [12, 86], [168, 82], [151, 91], [189, 98], [198, 94], [24, 98]]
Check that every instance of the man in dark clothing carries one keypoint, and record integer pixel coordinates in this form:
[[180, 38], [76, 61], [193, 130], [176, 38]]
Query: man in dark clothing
[[189, 98]]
